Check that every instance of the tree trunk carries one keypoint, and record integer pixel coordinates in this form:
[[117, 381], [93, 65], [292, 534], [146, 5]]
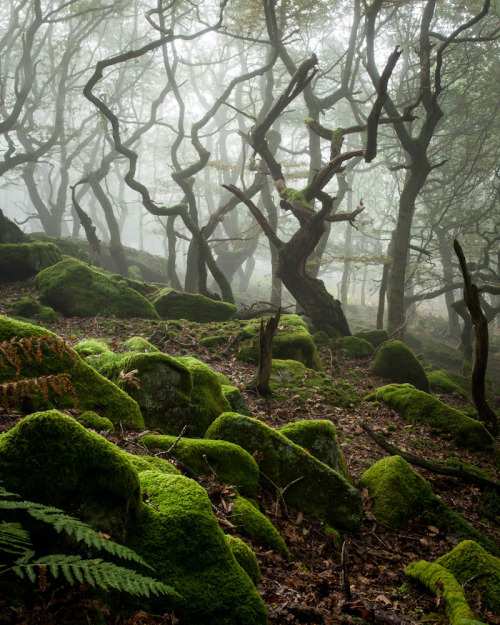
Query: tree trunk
[[261, 381]]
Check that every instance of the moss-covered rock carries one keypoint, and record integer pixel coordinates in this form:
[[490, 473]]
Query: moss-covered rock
[[319, 438], [236, 400], [23, 260], [355, 346], [172, 304], [213, 341], [92, 347], [93, 391], [321, 338], [398, 493], [139, 344], [68, 247], [245, 557], [152, 463], [441, 353], [10, 232], [442, 583], [418, 407], [374, 337], [292, 342], [470, 564], [230, 463], [31, 308], [290, 377], [251, 523], [396, 362], [93, 421], [318, 490], [75, 289], [51, 458], [448, 382], [183, 542]]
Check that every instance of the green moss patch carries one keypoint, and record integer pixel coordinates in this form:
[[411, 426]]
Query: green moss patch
[[140, 345], [245, 557], [75, 289], [374, 337], [172, 304], [152, 463], [93, 391], [95, 422], [91, 347], [318, 490], [231, 464], [418, 407], [30, 308], [355, 346], [396, 362], [23, 260], [319, 438], [236, 399], [448, 382]]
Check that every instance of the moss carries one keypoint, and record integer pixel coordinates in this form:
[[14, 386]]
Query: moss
[[442, 583], [442, 381], [319, 438], [292, 342], [71, 468], [152, 463], [252, 524], [374, 337], [139, 344], [442, 353], [95, 422], [470, 564], [290, 377], [418, 407], [94, 392], [172, 304], [213, 341], [10, 232], [31, 308], [318, 490], [396, 362], [183, 542], [245, 557], [321, 338], [398, 493], [294, 197], [75, 289], [236, 400], [22, 260], [230, 463], [355, 347], [91, 347], [66, 246]]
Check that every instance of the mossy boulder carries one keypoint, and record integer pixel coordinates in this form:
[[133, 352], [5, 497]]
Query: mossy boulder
[[441, 353], [75, 289], [92, 347], [172, 304], [251, 523], [355, 346], [470, 564], [236, 399], [230, 463], [398, 493], [321, 338], [10, 232], [318, 490], [442, 583], [319, 438], [23, 260], [290, 378], [31, 308], [51, 458], [395, 362], [152, 463], [374, 337], [93, 391], [140, 345], [67, 246], [292, 342], [93, 421], [181, 539], [245, 557], [418, 407], [448, 382]]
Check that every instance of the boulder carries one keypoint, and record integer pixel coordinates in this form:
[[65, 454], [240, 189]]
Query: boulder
[[374, 337], [236, 400], [354, 346], [245, 557], [172, 304], [395, 362], [31, 308], [310, 485], [19, 261]]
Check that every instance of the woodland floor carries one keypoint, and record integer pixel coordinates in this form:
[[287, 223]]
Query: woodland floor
[[310, 588]]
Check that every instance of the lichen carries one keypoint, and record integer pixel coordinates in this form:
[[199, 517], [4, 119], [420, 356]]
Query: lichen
[[22, 260], [173, 304], [230, 463], [317, 490], [396, 362], [419, 407], [245, 557]]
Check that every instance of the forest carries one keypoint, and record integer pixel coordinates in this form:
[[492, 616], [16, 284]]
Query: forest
[[249, 312]]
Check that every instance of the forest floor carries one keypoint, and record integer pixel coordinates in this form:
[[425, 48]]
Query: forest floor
[[311, 588]]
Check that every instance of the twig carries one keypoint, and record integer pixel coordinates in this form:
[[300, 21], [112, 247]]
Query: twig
[[173, 445], [344, 558]]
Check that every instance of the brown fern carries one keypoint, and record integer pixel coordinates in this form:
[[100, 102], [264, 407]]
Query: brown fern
[[12, 392], [31, 347]]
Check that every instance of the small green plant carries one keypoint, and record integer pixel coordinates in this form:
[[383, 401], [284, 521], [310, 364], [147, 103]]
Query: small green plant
[[15, 541]]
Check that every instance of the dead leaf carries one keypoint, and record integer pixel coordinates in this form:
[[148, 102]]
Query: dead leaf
[[130, 379], [383, 599]]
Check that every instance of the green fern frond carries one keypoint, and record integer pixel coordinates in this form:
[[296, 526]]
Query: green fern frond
[[13, 538], [105, 575]]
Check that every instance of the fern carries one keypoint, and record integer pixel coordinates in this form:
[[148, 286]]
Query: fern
[[15, 540]]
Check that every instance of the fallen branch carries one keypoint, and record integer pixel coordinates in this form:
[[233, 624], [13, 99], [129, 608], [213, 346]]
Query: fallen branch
[[462, 474]]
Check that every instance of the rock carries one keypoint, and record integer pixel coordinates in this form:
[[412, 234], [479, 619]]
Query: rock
[[230, 463], [31, 308], [75, 289], [10, 232], [172, 304], [354, 346], [139, 344], [395, 362], [374, 337], [319, 438], [236, 400], [442, 353], [448, 382], [93, 391], [93, 421], [318, 490], [23, 260], [419, 407], [245, 557]]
